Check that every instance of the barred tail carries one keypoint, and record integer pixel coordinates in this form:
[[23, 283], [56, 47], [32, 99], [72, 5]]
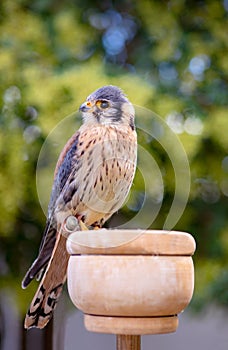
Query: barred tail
[[50, 288]]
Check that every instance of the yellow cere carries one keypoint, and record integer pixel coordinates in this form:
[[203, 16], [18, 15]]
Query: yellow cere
[[88, 104]]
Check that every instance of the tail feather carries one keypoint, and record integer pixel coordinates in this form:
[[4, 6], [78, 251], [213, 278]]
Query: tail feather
[[50, 288], [45, 253]]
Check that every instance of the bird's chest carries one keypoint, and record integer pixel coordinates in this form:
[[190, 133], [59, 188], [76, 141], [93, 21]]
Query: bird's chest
[[107, 170]]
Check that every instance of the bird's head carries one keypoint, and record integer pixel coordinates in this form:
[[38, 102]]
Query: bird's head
[[108, 106]]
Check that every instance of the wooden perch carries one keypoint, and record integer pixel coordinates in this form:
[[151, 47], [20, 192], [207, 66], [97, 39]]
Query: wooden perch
[[131, 282]]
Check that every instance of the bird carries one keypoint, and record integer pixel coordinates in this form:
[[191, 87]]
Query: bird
[[92, 179]]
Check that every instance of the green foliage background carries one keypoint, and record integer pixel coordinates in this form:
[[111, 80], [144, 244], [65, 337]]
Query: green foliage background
[[168, 56]]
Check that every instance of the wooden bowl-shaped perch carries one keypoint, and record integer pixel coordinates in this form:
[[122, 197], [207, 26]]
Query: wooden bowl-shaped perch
[[131, 281]]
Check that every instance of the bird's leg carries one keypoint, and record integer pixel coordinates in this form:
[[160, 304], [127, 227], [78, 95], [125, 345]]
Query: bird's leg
[[83, 226]]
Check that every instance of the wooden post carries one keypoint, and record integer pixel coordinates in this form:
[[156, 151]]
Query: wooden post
[[128, 342], [130, 282]]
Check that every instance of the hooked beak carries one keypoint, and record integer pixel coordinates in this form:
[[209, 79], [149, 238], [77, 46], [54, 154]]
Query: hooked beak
[[85, 107]]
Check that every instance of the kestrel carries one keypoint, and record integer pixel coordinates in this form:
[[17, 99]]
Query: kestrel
[[92, 179]]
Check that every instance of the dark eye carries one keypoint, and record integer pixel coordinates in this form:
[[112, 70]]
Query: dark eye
[[104, 104]]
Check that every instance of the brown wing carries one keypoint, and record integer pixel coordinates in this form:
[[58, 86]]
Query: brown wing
[[63, 171]]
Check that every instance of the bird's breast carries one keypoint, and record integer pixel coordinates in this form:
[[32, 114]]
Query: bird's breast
[[107, 167]]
